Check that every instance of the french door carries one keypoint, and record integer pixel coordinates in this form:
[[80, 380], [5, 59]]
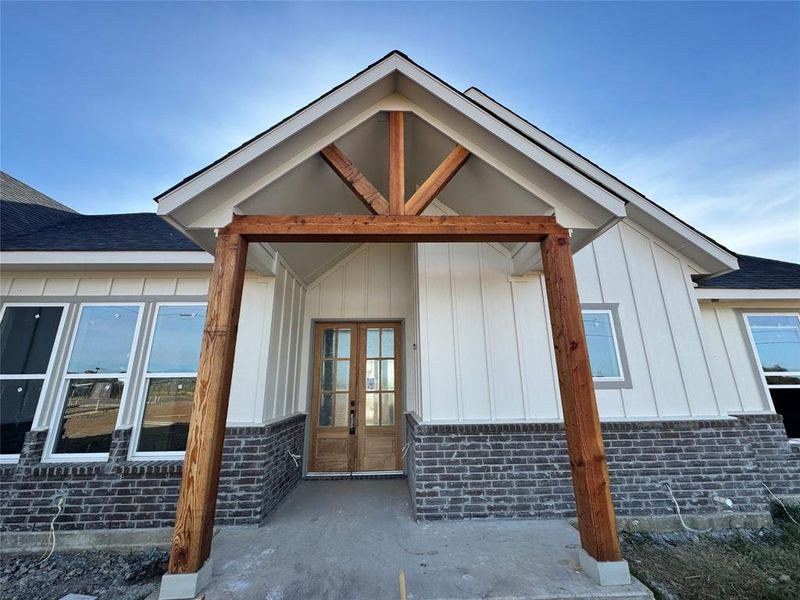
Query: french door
[[356, 402]]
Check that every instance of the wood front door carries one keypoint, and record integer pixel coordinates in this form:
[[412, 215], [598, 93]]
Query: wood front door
[[356, 401]]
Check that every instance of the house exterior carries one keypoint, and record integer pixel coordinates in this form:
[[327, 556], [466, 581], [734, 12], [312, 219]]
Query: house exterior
[[432, 360]]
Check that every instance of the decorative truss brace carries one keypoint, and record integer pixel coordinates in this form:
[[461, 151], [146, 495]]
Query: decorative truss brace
[[397, 204]]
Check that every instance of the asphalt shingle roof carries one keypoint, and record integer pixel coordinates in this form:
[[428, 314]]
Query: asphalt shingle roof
[[31, 221], [757, 273]]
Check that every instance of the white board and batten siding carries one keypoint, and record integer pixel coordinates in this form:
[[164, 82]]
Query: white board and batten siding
[[374, 282], [486, 348]]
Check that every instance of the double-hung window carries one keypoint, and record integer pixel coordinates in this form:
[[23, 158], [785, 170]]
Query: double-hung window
[[776, 340], [96, 379], [604, 342], [169, 379], [28, 336]]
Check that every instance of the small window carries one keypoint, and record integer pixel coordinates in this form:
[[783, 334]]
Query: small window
[[27, 338], [776, 338], [96, 378], [169, 379], [605, 349]]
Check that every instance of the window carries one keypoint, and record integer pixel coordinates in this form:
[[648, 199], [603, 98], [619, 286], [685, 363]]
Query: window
[[604, 342], [169, 378], [96, 377], [776, 339], [27, 338]]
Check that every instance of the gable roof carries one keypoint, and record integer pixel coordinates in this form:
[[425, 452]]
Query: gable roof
[[756, 273], [563, 163], [31, 221]]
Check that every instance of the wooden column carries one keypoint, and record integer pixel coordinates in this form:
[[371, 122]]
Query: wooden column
[[194, 522], [397, 170], [596, 517]]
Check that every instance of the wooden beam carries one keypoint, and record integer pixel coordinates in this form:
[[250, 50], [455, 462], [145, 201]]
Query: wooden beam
[[590, 482], [194, 522], [425, 194], [397, 170], [394, 228], [355, 180]]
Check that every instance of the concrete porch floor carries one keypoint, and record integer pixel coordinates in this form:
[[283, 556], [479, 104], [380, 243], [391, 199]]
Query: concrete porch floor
[[350, 539]]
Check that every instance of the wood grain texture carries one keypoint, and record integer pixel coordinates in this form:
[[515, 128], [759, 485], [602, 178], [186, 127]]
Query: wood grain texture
[[392, 228], [397, 170], [355, 180], [194, 522], [435, 183], [590, 481]]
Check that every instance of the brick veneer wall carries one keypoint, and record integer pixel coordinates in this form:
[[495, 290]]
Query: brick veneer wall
[[522, 470], [257, 474]]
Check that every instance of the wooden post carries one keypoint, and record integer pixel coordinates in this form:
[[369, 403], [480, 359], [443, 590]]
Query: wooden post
[[596, 517], [194, 522], [397, 172]]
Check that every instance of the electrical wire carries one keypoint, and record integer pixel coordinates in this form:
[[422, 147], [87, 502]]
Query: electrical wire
[[678, 510], [51, 538], [779, 501]]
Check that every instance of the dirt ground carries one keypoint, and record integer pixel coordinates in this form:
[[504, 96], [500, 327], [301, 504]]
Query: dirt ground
[[107, 575], [762, 564]]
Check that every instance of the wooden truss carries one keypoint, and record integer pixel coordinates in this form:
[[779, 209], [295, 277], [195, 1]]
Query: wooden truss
[[392, 221], [397, 204]]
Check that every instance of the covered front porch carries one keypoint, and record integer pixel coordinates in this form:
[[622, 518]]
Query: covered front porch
[[351, 539]]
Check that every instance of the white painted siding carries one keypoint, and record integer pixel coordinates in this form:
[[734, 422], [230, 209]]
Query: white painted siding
[[734, 368], [374, 282], [282, 372], [486, 352]]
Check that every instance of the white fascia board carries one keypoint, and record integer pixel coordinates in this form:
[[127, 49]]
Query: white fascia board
[[491, 122], [249, 152], [92, 260], [736, 294], [629, 194]]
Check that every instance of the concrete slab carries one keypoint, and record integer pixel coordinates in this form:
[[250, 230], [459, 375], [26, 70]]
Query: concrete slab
[[350, 539]]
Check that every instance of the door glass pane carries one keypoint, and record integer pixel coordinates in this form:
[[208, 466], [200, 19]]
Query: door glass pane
[[387, 374], [176, 339], [372, 374], [327, 343], [18, 400], [387, 343], [90, 415], [343, 375], [327, 374], [325, 409], [600, 340], [27, 334], [373, 343], [104, 339], [373, 416], [777, 339], [167, 410], [387, 409], [343, 344], [342, 410]]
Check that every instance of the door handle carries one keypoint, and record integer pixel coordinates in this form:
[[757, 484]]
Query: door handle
[[352, 421]]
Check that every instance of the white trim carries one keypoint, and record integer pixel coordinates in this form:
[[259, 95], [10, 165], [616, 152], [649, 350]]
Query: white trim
[[47, 377], [55, 423], [612, 325], [737, 294], [140, 398], [51, 258]]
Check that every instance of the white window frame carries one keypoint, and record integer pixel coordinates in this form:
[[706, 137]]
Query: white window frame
[[764, 374], [134, 453], [47, 378], [58, 414], [612, 322]]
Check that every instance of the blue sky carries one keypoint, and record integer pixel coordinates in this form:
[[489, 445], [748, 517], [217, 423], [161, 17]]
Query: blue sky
[[104, 105]]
